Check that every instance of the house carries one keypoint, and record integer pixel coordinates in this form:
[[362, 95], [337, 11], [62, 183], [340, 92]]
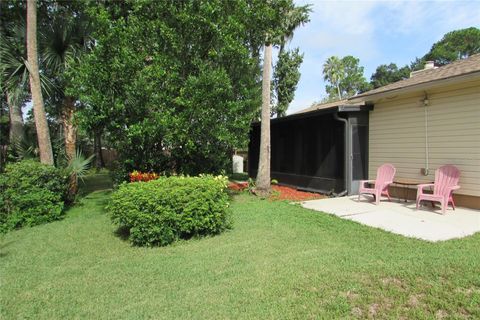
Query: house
[[417, 124], [309, 149]]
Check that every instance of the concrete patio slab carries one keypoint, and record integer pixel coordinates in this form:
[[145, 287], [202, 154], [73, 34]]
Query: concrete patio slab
[[402, 218]]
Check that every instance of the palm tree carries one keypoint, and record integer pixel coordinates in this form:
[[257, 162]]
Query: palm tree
[[332, 72], [14, 78], [263, 174], [41, 124], [64, 42], [292, 18]]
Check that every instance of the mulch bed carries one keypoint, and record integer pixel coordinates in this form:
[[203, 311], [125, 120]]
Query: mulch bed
[[237, 186], [281, 192]]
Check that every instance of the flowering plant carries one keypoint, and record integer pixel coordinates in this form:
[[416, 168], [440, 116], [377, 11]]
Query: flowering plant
[[136, 176]]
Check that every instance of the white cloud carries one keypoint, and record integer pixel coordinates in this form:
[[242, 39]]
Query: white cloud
[[376, 32]]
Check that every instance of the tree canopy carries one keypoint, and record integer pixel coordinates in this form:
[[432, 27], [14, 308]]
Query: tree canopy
[[385, 74], [176, 84], [344, 77], [285, 80], [454, 45]]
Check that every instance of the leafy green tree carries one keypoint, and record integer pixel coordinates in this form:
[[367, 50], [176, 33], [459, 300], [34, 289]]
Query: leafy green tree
[[333, 74], [285, 79], [172, 98], [386, 74], [454, 45], [344, 77], [417, 64], [353, 81]]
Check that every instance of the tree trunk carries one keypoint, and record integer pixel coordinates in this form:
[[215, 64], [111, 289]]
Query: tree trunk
[[69, 128], [263, 174], [17, 132], [70, 137], [97, 146], [41, 124], [3, 144]]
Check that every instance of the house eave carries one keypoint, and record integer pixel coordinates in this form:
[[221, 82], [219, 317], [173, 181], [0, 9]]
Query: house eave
[[340, 108], [370, 98]]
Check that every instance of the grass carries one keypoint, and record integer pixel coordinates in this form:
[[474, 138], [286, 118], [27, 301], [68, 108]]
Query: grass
[[279, 261]]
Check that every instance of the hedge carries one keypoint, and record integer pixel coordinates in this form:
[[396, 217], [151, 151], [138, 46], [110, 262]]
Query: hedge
[[31, 193], [158, 212]]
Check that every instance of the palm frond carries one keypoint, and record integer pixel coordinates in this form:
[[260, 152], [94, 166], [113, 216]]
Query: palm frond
[[23, 149], [79, 165]]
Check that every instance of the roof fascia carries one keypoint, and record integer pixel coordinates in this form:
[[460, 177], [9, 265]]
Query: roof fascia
[[416, 87]]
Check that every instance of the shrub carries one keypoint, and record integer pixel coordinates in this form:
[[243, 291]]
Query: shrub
[[158, 212], [31, 193], [118, 174]]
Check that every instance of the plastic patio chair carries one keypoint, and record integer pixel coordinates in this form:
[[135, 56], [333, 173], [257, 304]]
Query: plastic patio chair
[[446, 181], [385, 174]]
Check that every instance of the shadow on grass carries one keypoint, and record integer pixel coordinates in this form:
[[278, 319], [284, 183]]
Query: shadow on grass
[[3, 253], [94, 182], [123, 233]]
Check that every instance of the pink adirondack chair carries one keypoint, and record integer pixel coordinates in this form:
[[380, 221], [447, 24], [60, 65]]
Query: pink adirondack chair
[[446, 181], [385, 174]]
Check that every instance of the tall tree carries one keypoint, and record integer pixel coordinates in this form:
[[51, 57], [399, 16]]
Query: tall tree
[[344, 76], [41, 124], [4, 128], [263, 173], [454, 45], [289, 17], [333, 73], [386, 74], [172, 98], [353, 80], [285, 79], [287, 69], [66, 39], [14, 82], [293, 17]]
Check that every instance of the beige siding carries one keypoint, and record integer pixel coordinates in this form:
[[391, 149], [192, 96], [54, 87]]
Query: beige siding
[[397, 134]]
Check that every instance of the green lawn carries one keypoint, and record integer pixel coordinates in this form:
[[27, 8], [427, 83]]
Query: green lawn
[[279, 261]]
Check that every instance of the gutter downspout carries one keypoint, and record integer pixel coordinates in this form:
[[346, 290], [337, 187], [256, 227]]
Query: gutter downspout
[[425, 108], [345, 175]]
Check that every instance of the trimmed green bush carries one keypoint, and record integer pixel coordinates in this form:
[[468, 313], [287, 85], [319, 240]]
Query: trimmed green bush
[[158, 212], [31, 193]]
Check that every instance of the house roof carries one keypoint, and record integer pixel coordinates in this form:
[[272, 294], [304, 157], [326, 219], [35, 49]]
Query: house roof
[[329, 105], [320, 106], [458, 68], [452, 70]]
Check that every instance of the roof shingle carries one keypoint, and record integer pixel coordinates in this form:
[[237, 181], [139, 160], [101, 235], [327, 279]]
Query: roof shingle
[[454, 69]]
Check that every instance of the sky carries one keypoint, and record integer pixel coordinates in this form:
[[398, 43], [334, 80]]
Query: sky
[[376, 32]]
